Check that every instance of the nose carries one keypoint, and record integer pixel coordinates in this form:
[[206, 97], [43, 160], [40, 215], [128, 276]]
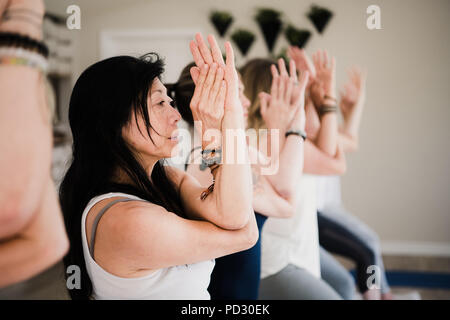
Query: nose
[[175, 116], [245, 101]]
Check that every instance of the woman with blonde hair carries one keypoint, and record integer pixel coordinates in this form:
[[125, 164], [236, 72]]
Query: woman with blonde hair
[[291, 266]]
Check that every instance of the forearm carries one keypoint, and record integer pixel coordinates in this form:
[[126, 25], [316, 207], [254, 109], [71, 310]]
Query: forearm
[[25, 135], [272, 206], [25, 143], [233, 185], [319, 163], [352, 122], [289, 168], [327, 137], [349, 143]]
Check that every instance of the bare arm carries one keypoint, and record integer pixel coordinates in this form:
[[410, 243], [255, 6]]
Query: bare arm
[[286, 91], [349, 143], [318, 162], [266, 200], [38, 246], [25, 134], [234, 213], [146, 236], [323, 95], [352, 105]]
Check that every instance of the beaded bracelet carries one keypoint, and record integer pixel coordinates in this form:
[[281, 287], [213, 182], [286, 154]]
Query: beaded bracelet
[[210, 157], [19, 56]]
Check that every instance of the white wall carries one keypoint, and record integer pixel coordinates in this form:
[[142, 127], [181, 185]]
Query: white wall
[[399, 180]]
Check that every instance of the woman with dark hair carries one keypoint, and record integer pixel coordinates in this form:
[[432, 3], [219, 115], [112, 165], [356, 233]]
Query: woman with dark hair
[[236, 276], [139, 229]]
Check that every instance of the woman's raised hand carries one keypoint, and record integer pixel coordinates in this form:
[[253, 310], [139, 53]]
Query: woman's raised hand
[[298, 96], [354, 91], [208, 101], [281, 106], [324, 87], [203, 55], [302, 61]]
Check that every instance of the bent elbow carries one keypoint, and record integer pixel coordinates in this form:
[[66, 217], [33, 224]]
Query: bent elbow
[[352, 147], [254, 237], [13, 219], [286, 193], [237, 222], [289, 213], [343, 168], [251, 236], [53, 248]]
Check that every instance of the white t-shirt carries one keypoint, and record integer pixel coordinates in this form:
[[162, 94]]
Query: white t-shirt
[[328, 191], [293, 240], [184, 282]]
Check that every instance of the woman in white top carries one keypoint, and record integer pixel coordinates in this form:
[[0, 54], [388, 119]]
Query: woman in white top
[[290, 267], [237, 276], [154, 228], [341, 232]]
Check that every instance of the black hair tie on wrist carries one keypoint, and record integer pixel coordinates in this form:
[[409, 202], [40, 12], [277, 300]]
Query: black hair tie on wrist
[[299, 133], [324, 109], [16, 40]]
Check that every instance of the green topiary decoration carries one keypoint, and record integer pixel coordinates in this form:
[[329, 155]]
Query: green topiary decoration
[[243, 39], [297, 37], [269, 21], [221, 21], [319, 16]]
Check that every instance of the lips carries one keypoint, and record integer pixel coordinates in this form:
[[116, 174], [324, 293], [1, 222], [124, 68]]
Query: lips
[[175, 137]]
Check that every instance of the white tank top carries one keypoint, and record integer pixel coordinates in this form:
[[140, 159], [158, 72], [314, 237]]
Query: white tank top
[[183, 282]]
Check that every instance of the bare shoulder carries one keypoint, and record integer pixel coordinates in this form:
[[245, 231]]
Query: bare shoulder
[[121, 214], [134, 212]]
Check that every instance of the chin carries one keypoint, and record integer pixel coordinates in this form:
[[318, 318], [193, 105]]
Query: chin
[[173, 150]]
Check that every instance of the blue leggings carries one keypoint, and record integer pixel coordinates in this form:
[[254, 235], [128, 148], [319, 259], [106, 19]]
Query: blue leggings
[[237, 276]]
